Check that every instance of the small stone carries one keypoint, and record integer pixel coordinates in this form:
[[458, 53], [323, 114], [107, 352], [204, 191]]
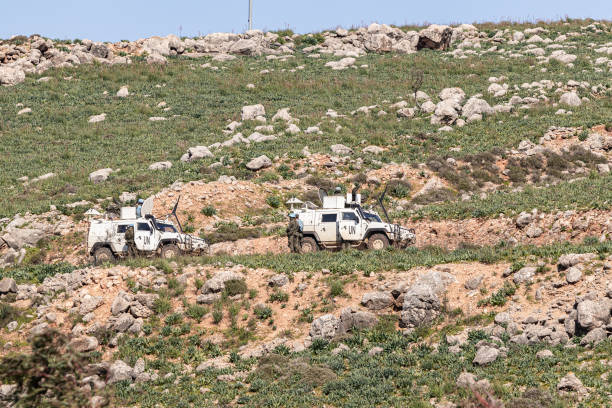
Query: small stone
[[375, 350], [485, 355], [544, 354], [573, 275]]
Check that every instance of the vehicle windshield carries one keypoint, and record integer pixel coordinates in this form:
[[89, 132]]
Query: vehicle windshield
[[165, 227], [371, 217]]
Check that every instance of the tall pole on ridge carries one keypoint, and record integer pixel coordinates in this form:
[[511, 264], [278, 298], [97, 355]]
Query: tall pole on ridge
[[250, 14]]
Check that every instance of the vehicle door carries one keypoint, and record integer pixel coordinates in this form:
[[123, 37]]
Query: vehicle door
[[144, 237], [328, 227], [350, 226], [118, 241]]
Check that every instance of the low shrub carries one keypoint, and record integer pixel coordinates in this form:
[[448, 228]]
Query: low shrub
[[235, 287], [51, 375]]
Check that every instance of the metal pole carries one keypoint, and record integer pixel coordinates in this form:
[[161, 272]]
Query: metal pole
[[250, 14]]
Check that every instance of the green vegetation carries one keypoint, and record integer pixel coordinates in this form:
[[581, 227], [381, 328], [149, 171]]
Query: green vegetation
[[346, 262], [500, 297], [405, 374], [588, 193], [231, 232], [235, 287], [209, 210], [204, 100], [50, 375], [35, 273]]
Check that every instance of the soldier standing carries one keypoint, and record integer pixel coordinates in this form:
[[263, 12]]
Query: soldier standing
[[293, 233], [129, 239]]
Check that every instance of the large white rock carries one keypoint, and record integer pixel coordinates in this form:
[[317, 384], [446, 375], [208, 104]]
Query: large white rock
[[123, 92], [251, 112], [163, 165], [100, 176], [452, 93], [475, 106], [196, 153], [258, 163], [10, 76], [571, 99], [282, 114], [97, 118], [342, 64]]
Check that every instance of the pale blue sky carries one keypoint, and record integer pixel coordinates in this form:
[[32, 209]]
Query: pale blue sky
[[113, 20]]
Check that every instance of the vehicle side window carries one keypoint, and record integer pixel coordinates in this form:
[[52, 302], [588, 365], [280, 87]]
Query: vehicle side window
[[350, 216], [328, 218], [142, 226], [122, 228]]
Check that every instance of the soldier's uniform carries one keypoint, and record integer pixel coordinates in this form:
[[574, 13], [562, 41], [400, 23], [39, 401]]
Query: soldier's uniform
[[129, 239], [293, 235]]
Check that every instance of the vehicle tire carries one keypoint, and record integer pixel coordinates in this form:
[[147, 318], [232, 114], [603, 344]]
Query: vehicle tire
[[309, 245], [102, 255], [378, 241], [170, 251]]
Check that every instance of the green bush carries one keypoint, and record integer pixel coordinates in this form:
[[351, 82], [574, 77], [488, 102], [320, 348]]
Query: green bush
[[36, 273], [279, 296], [217, 315], [500, 297], [336, 288], [399, 188], [274, 201], [231, 232], [8, 313], [262, 312], [196, 312], [50, 375], [162, 305], [235, 287], [209, 211]]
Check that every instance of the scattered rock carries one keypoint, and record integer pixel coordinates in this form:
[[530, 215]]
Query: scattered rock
[[571, 383], [341, 149], [486, 355], [524, 274], [278, 280], [324, 327], [97, 118], [377, 300], [473, 283], [100, 176], [119, 371], [259, 163], [8, 285], [123, 92], [573, 275], [570, 99], [544, 354], [164, 165], [251, 112]]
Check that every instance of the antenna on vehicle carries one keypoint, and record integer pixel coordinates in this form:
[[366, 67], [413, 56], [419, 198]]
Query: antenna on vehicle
[[354, 192], [380, 201], [174, 213]]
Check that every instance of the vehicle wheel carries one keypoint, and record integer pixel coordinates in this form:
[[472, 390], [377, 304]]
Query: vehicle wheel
[[378, 241], [170, 251], [309, 245], [102, 255]]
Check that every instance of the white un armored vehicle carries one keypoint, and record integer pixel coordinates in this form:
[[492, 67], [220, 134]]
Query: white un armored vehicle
[[106, 237], [343, 223]]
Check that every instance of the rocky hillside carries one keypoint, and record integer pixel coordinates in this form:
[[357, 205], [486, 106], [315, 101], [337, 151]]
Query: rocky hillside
[[494, 143]]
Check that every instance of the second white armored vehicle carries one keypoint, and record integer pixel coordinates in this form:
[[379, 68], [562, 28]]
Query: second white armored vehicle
[[343, 223], [106, 239]]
